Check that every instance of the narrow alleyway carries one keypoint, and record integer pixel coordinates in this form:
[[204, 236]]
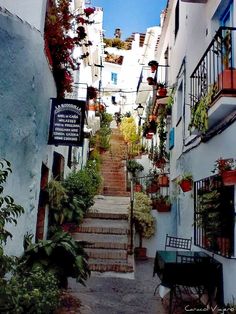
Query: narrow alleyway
[[117, 285]]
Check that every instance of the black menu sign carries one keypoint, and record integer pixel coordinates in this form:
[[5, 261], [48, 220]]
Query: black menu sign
[[67, 122]]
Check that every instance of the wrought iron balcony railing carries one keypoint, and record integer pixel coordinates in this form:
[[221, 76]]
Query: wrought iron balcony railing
[[215, 73]]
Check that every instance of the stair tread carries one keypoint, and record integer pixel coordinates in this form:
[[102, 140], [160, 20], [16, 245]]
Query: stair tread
[[98, 237]]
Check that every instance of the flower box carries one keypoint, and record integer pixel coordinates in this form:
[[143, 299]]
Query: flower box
[[229, 177]]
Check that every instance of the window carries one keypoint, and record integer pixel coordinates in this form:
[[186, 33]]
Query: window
[[176, 18], [179, 103], [114, 78], [58, 166], [214, 216]]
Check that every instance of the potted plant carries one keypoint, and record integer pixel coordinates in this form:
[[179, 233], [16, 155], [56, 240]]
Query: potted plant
[[154, 65], [227, 170], [162, 203], [144, 222], [185, 182], [199, 113], [134, 167]]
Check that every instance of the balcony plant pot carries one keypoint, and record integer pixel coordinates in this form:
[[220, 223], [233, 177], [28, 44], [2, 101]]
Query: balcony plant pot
[[163, 181], [229, 177], [186, 185], [227, 79]]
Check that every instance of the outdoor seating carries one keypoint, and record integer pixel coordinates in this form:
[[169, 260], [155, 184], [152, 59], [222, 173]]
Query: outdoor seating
[[178, 243]]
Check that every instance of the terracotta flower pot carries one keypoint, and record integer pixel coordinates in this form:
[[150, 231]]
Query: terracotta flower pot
[[140, 253], [229, 177], [138, 187], [186, 185], [163, 207], [152, 188], [162, 92]]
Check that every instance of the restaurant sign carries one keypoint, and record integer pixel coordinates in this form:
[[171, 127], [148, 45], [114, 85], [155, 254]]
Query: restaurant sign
[[67, 122]]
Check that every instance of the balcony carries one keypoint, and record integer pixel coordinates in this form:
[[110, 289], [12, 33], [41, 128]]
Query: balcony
[[213, 82]]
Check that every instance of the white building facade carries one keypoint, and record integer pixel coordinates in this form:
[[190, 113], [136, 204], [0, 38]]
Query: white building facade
[[197, 37]]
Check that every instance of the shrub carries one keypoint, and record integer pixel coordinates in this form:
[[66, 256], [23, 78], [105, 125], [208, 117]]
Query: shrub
[[35, 291], [60, 254], [143, 220]]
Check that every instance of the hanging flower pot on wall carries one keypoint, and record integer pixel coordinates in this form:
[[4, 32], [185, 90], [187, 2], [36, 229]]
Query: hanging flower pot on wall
[[186, 185]]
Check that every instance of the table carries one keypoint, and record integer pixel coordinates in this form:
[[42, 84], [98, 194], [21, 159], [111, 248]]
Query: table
[[188, 268]]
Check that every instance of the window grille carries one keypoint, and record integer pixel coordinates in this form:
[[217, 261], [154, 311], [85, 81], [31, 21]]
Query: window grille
[[214, 216]]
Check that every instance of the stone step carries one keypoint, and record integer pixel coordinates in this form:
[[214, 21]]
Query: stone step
[[118, 216], [110, 265], [108, 226], [103, 241], [118, 193], [106, 253]]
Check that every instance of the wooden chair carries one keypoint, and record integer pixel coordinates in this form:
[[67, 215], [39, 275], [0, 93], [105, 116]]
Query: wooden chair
[[178, 243]]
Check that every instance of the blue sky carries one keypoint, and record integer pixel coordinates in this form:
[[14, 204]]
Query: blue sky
[[129, 15]]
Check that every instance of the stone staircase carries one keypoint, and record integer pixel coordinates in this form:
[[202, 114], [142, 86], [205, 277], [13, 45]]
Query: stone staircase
[[113, 166], [106, 227]]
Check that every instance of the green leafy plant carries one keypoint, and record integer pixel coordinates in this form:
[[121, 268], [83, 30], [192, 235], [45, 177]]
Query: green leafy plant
[[134, 167], [61, 255], [143, 220], [199, 113], [9, 211], [35, 291], [70, 199]]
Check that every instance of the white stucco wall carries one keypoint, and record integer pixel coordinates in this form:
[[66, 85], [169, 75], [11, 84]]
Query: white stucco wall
[[198, 24], [26, 88], [29, 11]]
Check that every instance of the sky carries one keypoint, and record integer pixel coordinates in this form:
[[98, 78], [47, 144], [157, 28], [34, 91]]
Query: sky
[[131, 16]]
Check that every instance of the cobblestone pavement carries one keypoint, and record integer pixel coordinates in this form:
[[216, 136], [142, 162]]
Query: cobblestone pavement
[[114, 295]]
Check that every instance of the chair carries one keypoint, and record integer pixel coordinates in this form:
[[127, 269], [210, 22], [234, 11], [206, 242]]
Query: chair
[[178, 243]]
